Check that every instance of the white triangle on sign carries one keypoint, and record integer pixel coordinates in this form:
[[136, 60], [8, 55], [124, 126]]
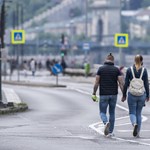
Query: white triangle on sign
[[121, 40], [18, 37]]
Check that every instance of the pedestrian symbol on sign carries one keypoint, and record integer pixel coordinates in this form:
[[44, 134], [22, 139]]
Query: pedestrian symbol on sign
[[121, 40], [18, 36]]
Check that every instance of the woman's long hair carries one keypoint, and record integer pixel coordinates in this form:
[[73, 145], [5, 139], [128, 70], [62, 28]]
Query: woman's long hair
[[138, 61]]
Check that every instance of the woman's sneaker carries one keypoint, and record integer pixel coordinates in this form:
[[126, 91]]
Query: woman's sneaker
[[106, 129], [135, 130]]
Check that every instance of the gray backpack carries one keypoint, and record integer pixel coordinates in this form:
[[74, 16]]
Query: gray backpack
[[136, 87]]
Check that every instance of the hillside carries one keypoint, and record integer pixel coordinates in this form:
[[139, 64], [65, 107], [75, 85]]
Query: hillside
[[31, 8]]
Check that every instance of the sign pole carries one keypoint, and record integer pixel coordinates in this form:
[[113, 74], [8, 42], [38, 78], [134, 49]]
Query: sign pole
[[18, 63], [120, 55], [86, 48], [57, 79], [17, 38], [121, 41], [56, 69]]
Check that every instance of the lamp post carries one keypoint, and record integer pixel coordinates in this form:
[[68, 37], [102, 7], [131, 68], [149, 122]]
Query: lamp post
[[22, 27], [86, 18], [72, 34], [86, 26], [2, 45], [2, 32], [120, 49], [19, 13]]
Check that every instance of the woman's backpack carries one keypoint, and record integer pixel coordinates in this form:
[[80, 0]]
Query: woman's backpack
[[136, 87]]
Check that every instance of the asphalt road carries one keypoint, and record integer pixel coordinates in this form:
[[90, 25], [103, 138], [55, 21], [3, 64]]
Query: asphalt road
[[67, 119]]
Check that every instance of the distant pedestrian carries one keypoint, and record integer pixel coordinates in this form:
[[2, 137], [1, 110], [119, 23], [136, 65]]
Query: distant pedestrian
[[25, 68], [107, 79], [87, 68], [39, 64], [64, 65], [13, 65], [33, 66], [136, 81]]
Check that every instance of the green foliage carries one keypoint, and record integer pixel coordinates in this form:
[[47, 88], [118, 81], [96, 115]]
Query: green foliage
[[48, 36], [74, 12], [145, 3], [125, 25]]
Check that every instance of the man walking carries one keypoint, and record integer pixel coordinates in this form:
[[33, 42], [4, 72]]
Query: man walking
[[107, 79]]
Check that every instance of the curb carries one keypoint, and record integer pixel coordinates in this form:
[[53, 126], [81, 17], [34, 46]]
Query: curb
[[32, 84], [13, 109]]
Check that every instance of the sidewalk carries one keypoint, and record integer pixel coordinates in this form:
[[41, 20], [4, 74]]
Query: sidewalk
[[43, 78]]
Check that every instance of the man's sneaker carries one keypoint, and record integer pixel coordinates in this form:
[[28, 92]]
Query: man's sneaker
[[106, 129], [138, 135], [135, 130], [110, 135]]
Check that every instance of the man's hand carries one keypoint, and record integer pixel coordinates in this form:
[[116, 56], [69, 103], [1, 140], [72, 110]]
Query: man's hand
[[94, 98], [123, 99]]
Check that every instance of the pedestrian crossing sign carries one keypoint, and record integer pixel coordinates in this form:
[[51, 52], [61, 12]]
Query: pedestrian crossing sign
[[18, 37], [121, 40]]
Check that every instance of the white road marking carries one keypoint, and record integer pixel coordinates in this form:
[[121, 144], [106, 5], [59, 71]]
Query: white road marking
[[123, 131], [100, 127], [145, 139], [121, 107], [11, 96]]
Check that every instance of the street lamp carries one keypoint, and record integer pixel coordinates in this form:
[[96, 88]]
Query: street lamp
[[19, 13], [22, 27], [2, 32], [86, 18]]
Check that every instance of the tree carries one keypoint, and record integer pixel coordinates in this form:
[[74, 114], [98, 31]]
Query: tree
[[145, 3], [135, 4]]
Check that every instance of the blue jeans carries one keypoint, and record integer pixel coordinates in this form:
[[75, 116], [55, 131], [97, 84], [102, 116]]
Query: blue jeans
[[135, 104], [105, 101]]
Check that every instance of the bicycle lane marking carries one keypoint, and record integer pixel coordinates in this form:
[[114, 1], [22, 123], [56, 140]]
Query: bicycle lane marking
[[99, 127]]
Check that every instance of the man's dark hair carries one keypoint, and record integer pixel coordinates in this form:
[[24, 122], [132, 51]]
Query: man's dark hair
[[110, 57]]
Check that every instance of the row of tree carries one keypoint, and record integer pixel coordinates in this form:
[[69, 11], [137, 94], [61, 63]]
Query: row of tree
[[31, 8], [135, 4]]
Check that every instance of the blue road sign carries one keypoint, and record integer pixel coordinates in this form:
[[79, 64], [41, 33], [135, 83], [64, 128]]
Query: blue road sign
[[56, 69], [121, 40], [86, 46]]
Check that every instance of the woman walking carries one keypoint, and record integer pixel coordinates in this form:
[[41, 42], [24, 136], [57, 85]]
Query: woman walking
[[136, 81]]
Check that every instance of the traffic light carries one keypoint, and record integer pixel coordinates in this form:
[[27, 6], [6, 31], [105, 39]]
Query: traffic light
[[62, 39], [63, 53]]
